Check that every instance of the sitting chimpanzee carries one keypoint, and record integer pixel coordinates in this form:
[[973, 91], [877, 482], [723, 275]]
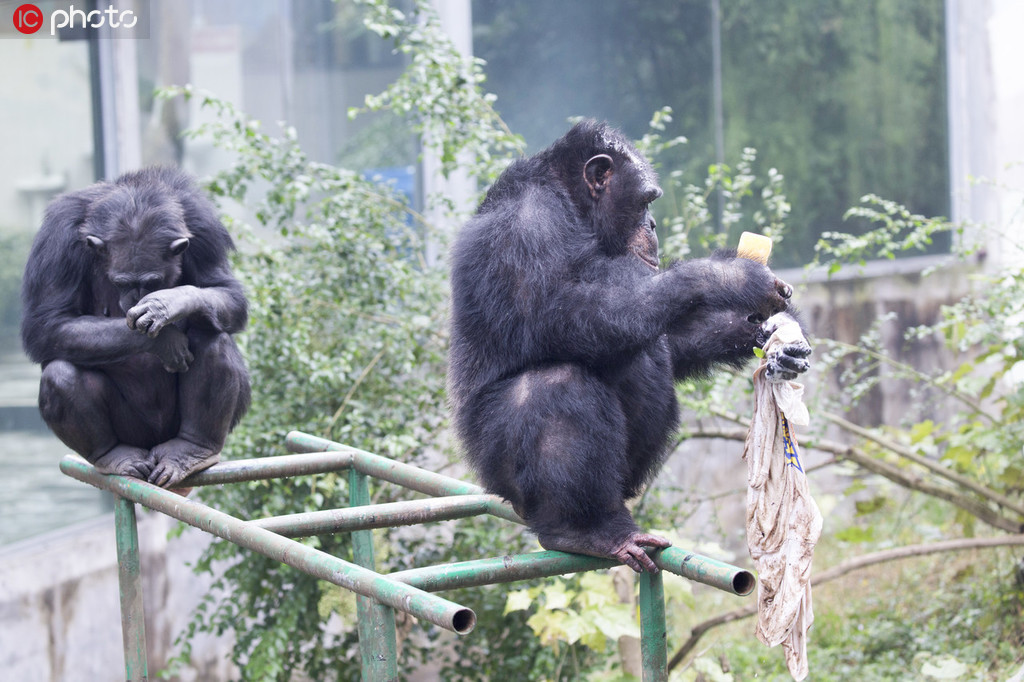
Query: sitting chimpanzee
[[566, 337], [129, 305]]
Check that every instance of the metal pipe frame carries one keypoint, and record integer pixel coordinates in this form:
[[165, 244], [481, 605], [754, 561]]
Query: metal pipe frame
[[377, 595], [316, 563]]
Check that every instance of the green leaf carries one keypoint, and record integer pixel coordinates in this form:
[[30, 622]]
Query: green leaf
[[519, 600], [856, 534], [921, 430], [555, 596]]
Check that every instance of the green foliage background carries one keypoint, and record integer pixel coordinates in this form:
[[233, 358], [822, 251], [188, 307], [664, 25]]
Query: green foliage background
[[347, 341]]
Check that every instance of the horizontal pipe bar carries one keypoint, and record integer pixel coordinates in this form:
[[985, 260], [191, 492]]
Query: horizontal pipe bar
[[706, 570], [263, 468], [545, 564], [376, 516], [399, 473], [494, 570], [405, 475], [441, 612]]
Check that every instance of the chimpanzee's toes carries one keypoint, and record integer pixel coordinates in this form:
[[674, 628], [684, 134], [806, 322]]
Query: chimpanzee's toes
[[125, 460], [178, 458], [631, 551]]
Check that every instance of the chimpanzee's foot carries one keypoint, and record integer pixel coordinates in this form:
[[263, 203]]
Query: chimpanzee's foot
[[177, 458], [629, 549], [126, 460]]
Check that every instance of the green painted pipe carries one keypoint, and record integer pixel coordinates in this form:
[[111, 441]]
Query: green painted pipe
[[376, 516], [385, 469], [378, 648], [129, 580], [316, 563], [515, 567], [653, 637], [705, 570], [263, 468]]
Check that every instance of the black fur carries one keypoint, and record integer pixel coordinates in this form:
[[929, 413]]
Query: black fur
[[129, 304], [565, 340]]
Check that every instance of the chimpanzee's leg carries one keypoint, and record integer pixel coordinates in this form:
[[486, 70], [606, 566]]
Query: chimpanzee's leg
[[80, 406], [212, 396], [564, 434]]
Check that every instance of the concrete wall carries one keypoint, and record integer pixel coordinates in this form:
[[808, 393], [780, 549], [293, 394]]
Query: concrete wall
[[59, 604]]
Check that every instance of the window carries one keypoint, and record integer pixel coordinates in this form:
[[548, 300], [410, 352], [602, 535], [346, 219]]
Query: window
[[46, 111], [844, 97]]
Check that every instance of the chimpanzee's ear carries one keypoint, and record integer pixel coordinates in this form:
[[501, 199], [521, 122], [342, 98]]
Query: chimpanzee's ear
[[178, 246], [95, 243], [597, 172]]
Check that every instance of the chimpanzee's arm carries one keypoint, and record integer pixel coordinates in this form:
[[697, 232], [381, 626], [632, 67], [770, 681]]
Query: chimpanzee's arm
[[92, 341], [710, 339], [620, 311], [724, 337], [221, 308]]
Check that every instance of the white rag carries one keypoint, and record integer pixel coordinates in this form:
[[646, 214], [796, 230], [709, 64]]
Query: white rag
[[783, 522]]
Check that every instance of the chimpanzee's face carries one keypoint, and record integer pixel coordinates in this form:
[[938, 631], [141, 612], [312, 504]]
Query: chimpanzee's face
[[623, 186], [140, 245], [137, 268]]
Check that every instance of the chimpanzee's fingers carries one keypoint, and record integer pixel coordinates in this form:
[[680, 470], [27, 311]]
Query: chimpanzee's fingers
[[132, 317], [161, 474], [631, 551], [154, 327], [797, 350], [651, 540], [794, 364], [785, 291], [645, 561], [627, 558]]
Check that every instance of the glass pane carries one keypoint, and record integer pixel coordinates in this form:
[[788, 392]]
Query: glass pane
[[304, 63], [844, 97], [46, 113]]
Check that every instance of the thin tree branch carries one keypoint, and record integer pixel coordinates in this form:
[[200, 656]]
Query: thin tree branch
[[929, 464], [905, 478], [842, 569], [921, 377]]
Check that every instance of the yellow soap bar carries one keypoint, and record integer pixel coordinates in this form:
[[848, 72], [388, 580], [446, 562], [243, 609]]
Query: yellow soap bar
[[754, 247]]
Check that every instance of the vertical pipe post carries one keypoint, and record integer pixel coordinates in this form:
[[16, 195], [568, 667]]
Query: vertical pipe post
[[129, 578], [653, 647], [378, 647]]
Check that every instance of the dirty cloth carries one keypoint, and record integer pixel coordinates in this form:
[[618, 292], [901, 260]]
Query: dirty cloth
[[783, 522]]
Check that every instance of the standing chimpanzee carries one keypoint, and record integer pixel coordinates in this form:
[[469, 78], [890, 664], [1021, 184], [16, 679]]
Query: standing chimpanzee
[[129, 305], [566, 338]]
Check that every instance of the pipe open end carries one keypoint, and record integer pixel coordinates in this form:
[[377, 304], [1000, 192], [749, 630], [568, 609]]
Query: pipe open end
[[464, 621], [743, 583]]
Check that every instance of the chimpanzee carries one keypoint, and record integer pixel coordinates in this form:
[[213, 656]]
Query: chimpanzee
[[566, 336], [129, 304]]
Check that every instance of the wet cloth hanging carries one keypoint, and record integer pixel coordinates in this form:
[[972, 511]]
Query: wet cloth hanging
[[783, 522]]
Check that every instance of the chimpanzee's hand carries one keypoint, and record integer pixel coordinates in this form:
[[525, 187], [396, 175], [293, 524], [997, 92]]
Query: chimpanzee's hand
[[171, 346], [156, 311], [760, 285], [788, 360]]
